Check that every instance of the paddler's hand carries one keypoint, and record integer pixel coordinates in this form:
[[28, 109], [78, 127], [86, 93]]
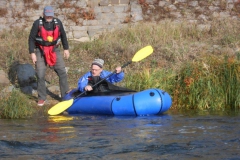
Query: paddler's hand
[[118, 69], [66, 53], [88, 88], [34, 58]]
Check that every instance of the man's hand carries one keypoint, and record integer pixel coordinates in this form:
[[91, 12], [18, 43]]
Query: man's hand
[[88, 88], [34, 58], [118, 69], [66, 53]]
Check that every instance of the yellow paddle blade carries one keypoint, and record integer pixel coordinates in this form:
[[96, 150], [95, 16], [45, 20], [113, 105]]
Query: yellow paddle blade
[[142, 53], [60, 107]]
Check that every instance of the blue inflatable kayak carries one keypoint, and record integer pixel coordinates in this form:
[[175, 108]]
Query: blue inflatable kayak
[[147, 102]]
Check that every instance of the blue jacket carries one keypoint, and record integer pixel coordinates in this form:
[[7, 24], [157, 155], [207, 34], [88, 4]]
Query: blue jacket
[[83, 81]]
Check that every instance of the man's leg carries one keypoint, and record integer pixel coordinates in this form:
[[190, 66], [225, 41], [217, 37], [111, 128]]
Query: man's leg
[[41, 70], [61, 72]]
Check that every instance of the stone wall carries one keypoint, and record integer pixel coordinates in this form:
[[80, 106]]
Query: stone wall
[[85, 20]]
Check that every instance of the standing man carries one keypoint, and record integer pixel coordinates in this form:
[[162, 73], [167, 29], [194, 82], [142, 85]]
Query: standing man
[[44, 47]]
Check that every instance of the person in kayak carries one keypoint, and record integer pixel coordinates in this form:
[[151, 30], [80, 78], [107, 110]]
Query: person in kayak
[[96, 74], [44, 48]]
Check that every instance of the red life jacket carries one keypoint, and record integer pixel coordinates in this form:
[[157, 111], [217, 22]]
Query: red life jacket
[[46, 45]]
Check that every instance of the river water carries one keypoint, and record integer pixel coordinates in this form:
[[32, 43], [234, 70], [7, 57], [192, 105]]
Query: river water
[[175, 136]]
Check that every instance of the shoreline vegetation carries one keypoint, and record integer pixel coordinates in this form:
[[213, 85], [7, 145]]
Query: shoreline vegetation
[[198, 67]]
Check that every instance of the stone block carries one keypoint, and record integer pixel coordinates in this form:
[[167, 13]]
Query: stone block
[[68, 23], [84, 4], [136, 16], [90, 22], [163, 3], [230, 6], [114, 2], [94, 32], [172, 8], [40, 1], [3, 4], [97, 9], [33, 18], [150, 2], [93, 3], [107, 9], [95, 28], [116, 22], [114, 27], [106, 16], [193, 3], [78, 28], [69, 35], [175, 15], [79, 34], [124, 1], [213, 8], [110, 27], [122, 15], [104, 22], [98, 16], [61, 17], [104, 3], [83, 39], [119, 9], [136, 8]]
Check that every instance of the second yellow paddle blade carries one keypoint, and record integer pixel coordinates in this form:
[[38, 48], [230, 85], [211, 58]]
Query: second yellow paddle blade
[[60, 107], [142, 53]]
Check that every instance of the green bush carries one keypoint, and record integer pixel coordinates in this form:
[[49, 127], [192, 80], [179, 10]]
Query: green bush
[[212, 84], [15, 105]]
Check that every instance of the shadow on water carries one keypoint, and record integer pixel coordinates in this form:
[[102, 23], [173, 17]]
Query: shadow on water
[[174, 135]]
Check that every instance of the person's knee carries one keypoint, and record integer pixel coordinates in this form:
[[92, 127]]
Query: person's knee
[[40, 75], [61, 72]]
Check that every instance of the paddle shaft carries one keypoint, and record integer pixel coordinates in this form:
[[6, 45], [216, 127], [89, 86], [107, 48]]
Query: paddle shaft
[[126, 64]]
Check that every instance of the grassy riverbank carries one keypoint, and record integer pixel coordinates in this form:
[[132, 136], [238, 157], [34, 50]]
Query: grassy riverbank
[[198, 67]]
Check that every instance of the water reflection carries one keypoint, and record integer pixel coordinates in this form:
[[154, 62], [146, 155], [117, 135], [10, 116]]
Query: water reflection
[[59, 119], [168, 136], [54, 127]]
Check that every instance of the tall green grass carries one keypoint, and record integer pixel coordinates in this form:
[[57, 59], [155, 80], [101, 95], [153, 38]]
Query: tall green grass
[[212, 84], [150, 78], [15, 105]]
